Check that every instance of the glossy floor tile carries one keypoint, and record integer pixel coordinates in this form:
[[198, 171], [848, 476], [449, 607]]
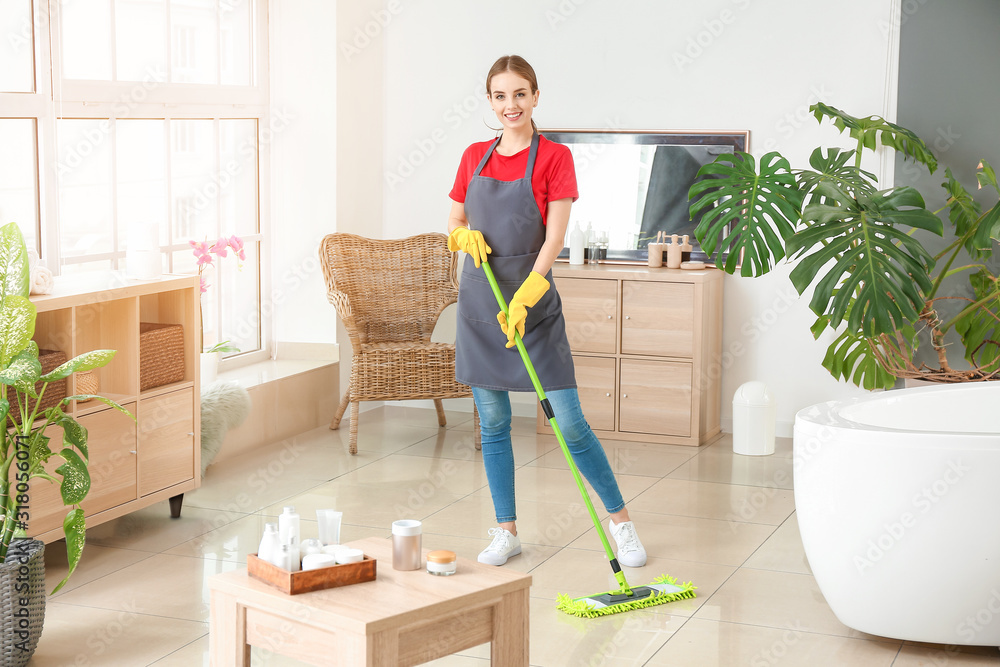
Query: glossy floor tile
[[723, 521], [701, 642]]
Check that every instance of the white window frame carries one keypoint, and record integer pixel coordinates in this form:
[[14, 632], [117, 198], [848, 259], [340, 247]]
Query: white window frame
[[54, 98]]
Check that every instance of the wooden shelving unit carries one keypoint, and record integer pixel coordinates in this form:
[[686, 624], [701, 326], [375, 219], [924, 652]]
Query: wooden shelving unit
[[646, 344], [133, 464]]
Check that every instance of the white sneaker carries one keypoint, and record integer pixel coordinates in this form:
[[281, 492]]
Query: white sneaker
[[631, 553], [504, 545]]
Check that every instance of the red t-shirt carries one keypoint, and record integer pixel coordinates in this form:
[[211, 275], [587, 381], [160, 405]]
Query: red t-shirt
[[553, 178]]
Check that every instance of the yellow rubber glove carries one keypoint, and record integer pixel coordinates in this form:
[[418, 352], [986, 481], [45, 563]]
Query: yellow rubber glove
[[527, 295], [469, 241]]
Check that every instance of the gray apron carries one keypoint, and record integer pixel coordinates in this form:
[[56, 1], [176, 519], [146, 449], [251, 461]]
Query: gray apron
[[507, 214]]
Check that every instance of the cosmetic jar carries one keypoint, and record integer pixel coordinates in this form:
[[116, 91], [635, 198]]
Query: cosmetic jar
[[349, 555], [441, 563], [310, 546], [317, 561], [406, 545]]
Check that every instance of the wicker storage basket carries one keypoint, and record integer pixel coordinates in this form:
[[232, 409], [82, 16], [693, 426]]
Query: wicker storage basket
[[21, 624], [87, 382], [161, 354], [55, 392]]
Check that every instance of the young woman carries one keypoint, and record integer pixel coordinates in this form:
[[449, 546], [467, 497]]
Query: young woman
[[511, 201]]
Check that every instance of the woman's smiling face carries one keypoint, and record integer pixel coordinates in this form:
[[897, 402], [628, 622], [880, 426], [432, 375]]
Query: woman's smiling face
[[512, 100]]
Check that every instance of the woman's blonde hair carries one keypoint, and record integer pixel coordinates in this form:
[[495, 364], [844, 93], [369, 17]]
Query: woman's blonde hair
[[518, 66]]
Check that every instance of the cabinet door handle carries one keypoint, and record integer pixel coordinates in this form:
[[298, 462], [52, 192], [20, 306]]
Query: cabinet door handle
[[609, 317], [191, 433], [132, 451], [628, 317], [624, 395], [608, 394]]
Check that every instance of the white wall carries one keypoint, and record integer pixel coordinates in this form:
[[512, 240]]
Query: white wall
[[303, 169], [410, 96], [639, 65]]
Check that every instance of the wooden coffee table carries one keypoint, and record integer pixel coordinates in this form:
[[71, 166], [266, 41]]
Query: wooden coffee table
[[401, 618]]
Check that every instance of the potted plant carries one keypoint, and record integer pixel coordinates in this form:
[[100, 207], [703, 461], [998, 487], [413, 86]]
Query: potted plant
[[203, 255], [874, 282], [25, 449]]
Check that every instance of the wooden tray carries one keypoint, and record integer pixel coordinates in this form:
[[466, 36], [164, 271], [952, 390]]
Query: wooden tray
[[293, 583]]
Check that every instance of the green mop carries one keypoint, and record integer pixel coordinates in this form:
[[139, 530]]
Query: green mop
[[663, 589]]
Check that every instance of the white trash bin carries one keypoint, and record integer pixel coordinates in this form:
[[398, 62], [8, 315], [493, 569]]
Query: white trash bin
[[753, 420]]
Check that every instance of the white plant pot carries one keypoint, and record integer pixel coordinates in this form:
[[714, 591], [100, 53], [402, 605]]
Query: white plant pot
[[209, 368]]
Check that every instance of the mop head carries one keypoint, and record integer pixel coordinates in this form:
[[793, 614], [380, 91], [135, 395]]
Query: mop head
[[664, 589]]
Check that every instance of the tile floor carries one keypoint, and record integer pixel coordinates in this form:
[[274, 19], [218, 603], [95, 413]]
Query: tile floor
[[725, 522]]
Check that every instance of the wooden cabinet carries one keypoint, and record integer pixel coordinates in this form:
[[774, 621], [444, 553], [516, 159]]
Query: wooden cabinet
[[166, 421], [133, 463], [646, 345]]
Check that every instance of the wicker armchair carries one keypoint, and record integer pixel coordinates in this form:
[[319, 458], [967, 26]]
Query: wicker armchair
[[389, 295]]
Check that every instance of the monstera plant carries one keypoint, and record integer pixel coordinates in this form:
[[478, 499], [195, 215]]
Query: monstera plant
[[874, 283], [25, 449]]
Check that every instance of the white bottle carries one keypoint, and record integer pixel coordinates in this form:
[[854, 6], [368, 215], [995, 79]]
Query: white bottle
[[288, 532], [270, 543], [288, 559], [576, 245]]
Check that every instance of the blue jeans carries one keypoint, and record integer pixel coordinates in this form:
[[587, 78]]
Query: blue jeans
[[498, 454]]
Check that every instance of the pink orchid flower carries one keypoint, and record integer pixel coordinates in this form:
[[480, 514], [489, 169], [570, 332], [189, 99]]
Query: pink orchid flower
[[204, 284], [220, 247], [200, 248], [236, 243]]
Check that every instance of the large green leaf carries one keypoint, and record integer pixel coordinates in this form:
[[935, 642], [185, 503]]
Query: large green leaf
[[76, 478], [763, 209], [980, 327], [75, 529], [963, 211], [74, 434], [17, 326], [833, 169], [851, 357], [14, 280], [83, 362], [987, 176], [38, 449], [988, 230], [873, 130], [874, 262], [24, 370], [102, 399]]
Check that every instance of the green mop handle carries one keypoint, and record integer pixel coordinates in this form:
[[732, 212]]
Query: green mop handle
[[547, 409]]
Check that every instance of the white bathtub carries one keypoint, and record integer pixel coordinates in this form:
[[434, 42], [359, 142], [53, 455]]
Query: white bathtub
[[898, 502]]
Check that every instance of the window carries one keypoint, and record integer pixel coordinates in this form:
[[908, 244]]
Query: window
[[154, 118]]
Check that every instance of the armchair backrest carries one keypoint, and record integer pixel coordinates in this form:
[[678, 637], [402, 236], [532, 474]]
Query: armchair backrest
[[389, 291]]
